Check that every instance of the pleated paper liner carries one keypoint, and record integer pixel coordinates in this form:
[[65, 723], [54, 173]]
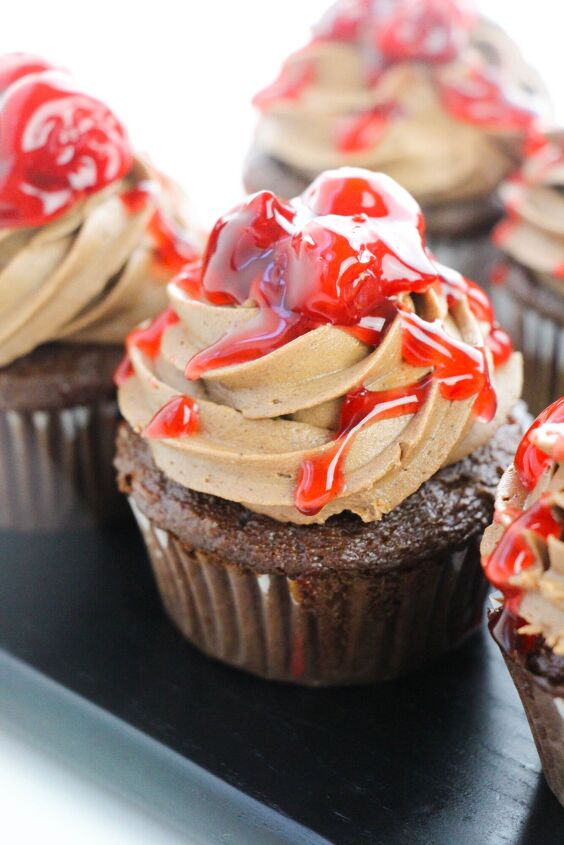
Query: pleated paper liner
[[545, 713], [323, 629], [56, 468], [533, 314]]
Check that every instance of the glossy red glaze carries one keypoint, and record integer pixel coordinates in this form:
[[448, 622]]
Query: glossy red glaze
[[173, 245], [334, 258], [513, 553], [461, 369], [137, 197], [179, 417], [364, 130], [57, 146], [322, 478], [148, 339], [530, 461]]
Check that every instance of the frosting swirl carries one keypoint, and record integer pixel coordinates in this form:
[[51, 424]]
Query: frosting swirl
[[319, 358], [523, 551], [437, 98], [532, 232], [89, 234]]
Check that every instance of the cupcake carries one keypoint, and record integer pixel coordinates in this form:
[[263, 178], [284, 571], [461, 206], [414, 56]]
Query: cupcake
[[529, 295], [89, 237], [523, 555], [314, 433], [430, 93]]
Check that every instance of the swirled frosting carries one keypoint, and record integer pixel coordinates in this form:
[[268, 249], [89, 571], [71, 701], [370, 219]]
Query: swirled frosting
[[532, 232], [318, 359], [89, 234], [439, 99], [523, 551]]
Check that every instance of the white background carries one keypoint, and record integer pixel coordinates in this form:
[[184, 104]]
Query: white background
[[180, 75]]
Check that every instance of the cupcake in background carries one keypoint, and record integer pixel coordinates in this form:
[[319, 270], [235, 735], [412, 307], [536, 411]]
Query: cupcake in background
[[523, 555], [314, 432], [529, 294], [429, 92], [89, 237]]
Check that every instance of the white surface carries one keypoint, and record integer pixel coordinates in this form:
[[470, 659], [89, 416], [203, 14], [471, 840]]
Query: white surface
[[180, 73]]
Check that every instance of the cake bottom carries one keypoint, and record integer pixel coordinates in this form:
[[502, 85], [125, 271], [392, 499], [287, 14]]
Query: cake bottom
[[340, 603]]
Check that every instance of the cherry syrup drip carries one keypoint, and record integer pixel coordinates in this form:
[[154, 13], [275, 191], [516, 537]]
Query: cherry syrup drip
[[530, 461], [340, 255], [322, 478], [179, 417], [148, 340], [513, 553], [365, 129], [57, 145], [334, 257], [291, 83]]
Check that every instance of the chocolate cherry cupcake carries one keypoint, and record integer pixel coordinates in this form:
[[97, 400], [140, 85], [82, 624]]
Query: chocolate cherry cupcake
[[315, 429], [524, 558], [89, 238], [437, 97], [529, 296]]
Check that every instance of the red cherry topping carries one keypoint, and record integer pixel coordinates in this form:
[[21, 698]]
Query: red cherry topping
[[530, 461], [179, 417], [14, 66], [422, 30], [293, 80], [322, 478], [173, 245], [365, 130], [124, 371], [513, 553], [57, 146], [148, 339]]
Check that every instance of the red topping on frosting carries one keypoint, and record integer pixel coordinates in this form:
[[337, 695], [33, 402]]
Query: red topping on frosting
[[339, 255], [57, 146], [173, 245], [364, 130], [148, 339], [123, 371], [137, 197], [14, 66], [179, 417], [530, 461], [322, 478], [292, 81], [513, 553]]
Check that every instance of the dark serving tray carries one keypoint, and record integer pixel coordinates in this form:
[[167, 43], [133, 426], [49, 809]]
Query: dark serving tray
[[90, 666]]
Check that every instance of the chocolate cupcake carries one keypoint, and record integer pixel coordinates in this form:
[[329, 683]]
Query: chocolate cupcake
[[529, 294], [89, 237], [314, 432], [524, 557], [437, 97]]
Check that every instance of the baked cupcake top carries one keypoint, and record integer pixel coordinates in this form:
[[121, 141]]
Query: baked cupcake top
[[523, 551], [532, 232], [318, 359], [89, 234], [427, 91]]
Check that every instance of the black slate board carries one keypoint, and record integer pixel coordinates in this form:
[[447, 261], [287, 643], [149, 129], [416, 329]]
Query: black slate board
[[443, 757]]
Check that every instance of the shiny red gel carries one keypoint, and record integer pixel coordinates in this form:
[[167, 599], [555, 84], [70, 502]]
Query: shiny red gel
[[179, 417]]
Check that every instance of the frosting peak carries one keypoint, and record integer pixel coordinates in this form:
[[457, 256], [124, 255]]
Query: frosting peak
[[334, 363]]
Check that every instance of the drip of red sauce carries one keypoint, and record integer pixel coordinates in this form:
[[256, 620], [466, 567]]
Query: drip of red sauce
[[365, 129], [322, 478], [499, 273], [123, 371], [293, 80], [530, 461], [179, 417], [136, 198], [173, 245], [513, 553], [148, 340], [57, 146], [336, 257]]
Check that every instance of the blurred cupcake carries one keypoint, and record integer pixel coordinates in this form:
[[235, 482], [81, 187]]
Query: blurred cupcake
[[529, 295], [89, 237], [315, 430], [428, 92], [524, 557]]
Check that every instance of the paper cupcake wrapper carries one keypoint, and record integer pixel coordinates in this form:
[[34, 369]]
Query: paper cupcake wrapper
[[56, 467], [545, 713], [317, 630], [539, 335], [475, 256]]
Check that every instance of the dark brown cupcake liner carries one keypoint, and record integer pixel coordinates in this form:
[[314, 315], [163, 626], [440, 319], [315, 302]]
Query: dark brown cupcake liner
[[317, 630], [56, 467], [545, 712], [533, 314]]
